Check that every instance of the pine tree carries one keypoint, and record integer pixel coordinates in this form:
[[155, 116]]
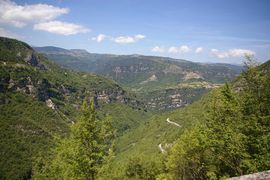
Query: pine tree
[[82, 155], [88, 144]]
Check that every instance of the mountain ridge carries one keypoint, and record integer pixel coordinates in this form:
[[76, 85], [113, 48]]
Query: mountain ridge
[[134, 72]]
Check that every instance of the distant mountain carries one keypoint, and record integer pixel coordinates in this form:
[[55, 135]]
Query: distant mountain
[[237, 68], [163, 83]]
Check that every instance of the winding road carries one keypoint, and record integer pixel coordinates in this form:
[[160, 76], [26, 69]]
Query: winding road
[[161, 149], [170, 122], [174, 123]]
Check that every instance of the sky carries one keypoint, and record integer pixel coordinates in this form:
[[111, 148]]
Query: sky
[[217, 31]]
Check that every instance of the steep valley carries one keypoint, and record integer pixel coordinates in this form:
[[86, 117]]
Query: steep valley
[[40, 101], [134, 90]]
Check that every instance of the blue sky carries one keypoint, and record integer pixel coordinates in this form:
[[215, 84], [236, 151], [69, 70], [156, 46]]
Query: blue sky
[[205, 31]]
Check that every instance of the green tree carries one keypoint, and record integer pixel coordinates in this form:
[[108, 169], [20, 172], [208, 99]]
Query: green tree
[[214, 149], [226, 139], [256, 113], [234, 137], [81, 155], [186, 158], [142, 169]]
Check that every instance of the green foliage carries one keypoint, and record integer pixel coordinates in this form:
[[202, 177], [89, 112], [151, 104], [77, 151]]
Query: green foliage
[[149, 134], [27, 124], [224, 134], [82, 155], [234, 139], [185, 160], [139, 169], [256, 114], [27, 127], [9, 46], [124, 118]]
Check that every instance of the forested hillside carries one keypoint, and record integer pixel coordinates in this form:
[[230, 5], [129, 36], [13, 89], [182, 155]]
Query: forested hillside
[[234, 138], [222, 135], [134, 90], [163, 83], [39, 100], [59, 123], [225, 134]]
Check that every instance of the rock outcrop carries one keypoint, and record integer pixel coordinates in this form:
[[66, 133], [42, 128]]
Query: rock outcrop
[[265, 175]]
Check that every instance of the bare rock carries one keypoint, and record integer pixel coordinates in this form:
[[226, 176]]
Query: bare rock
[[265, 175], [50, 104]]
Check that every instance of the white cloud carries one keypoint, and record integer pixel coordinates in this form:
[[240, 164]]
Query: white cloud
[[41, 15], [241, 52], [124, 39], [20, 15], [99, 38], [128, 39], [199, 50], [139, 36], [5, 33], [181, 49], [232, 53], [59, 27], [173, 50], [219, 54], [158, 49]]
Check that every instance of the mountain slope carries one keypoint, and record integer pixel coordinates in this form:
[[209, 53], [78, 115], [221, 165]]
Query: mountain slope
[[149, 75], [159, 134], [152, 140], [40, 100]]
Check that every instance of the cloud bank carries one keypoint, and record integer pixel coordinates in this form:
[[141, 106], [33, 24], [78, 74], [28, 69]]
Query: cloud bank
[[172, 49], [232, 53], [41, 16]]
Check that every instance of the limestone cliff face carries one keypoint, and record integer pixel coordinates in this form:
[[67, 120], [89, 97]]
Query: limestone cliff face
[[45, 91], [33, 60], [23, 70]]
